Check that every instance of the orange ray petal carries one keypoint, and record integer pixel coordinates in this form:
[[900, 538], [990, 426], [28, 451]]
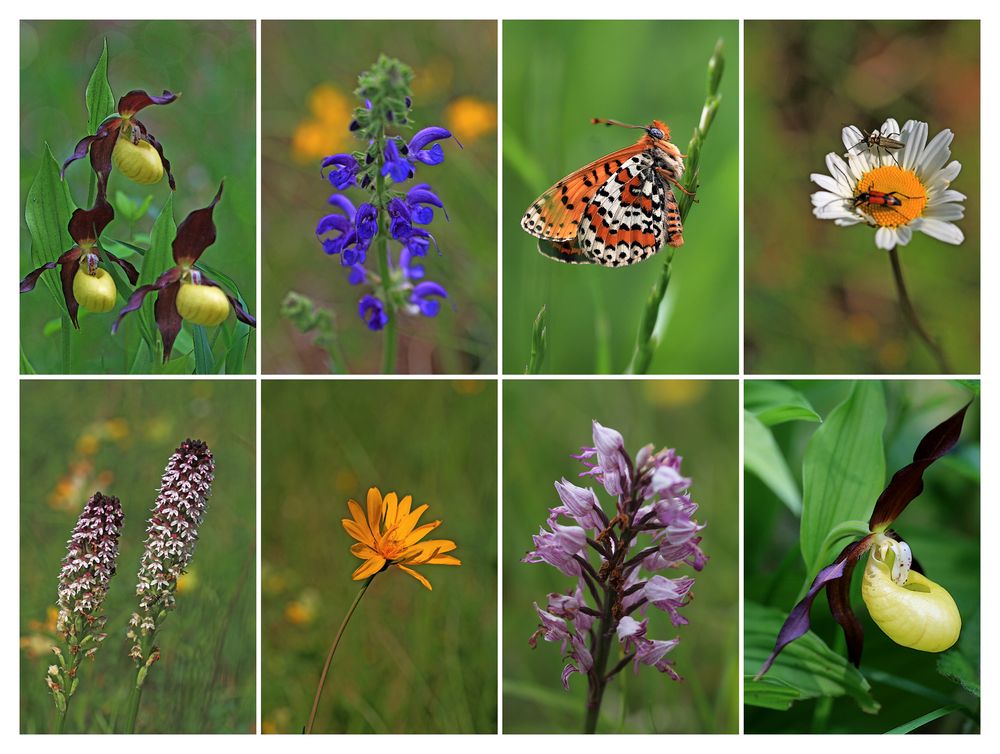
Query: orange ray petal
[[363, 551], [374, 510], [362, 534], [444, 560], [389, 506], [404, 507], [419, 533], [359, 515], [416, 575], [422, 552], [369, 568], [406, 525]]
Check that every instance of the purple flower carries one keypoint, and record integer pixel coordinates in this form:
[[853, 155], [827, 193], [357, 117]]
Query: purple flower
[[411, 270], [366, 223], [580, 504], [345, 172], [422, 299], [668, 595], [396, 166], [425, 136], [399, 218], [420, 198], [558, 547], [612, 462], [372, 311]]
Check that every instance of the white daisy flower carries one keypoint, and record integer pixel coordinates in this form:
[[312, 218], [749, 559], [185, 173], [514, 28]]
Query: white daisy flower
[[897, 191]]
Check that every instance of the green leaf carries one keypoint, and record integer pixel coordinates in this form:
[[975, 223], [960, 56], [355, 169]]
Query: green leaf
[[762, 457], [843, 471], [776, 403], [956, 667], [26, 367], [124, 204], [47, 210], [240, 342], [100, 98], [924, 719], [157, 260], [806, 669], [204, 363]]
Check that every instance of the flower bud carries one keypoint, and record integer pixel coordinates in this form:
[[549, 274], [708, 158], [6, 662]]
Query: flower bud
[[140, 162], [917, 613], [97, 292], [202, 304]]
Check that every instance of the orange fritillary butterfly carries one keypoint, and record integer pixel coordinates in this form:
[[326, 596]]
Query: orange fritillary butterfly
[[617, 210]]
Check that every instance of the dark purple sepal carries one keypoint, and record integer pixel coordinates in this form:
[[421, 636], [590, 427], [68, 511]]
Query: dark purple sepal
[[127, 267], [86, 225], [107, 132], [908, 482], [137, 99], [168, 319], [838, 596], [166, 163], [172, 275], [196, 233], [67, 271]]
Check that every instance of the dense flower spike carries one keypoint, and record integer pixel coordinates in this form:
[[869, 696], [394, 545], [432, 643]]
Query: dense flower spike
[[171, 535], [609, 563], [84, 283], [91, 558], [125, 140], [184, 291], [897, 189], [923, 616], [387, 535], [390, 214]]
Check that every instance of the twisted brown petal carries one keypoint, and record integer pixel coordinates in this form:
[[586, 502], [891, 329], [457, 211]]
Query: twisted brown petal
[[196, 233]]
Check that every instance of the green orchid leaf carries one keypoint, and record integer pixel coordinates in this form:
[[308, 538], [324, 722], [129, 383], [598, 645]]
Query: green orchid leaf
[[843, 472], [100, 98], [204, 362], [763, 458], [956, 667], [157, 260], [776, 403], [806, 669], [921, 721], [47, 210]]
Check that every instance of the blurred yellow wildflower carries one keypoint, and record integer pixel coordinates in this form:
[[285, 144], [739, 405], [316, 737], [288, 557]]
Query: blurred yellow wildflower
[[326, 131], [399, 544], [187, 582], [433, 78], [674, 392], [470, 118]]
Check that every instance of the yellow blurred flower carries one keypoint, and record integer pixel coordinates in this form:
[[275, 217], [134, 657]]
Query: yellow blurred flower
[[470, 118], [434, 77], [674, 392], [187, 582], [298, 613], [326, 131], [399, 545]]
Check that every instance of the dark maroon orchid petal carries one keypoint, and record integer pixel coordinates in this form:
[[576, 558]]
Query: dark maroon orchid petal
[[67, 271], [168, 319], [31, 279], [838, 596], [241, 314], [86, 225], [196, 233], [172, 275], [908, 482], [133, 274], [797, 622], [137, 99], [106, 134], [166, 163]]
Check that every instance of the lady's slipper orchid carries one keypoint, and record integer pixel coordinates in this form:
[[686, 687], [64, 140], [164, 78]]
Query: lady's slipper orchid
[[910, 608], [183, 291], [83, 282], [124, 139]]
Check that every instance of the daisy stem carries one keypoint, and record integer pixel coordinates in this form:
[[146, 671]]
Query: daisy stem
[[910, 314], [652, 321], [333, 649]]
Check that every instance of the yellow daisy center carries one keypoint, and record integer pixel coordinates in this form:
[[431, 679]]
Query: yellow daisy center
[[891, 196]]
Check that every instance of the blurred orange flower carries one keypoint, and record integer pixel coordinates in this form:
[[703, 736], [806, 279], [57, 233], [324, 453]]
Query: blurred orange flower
[[326, 131], [470, 118]]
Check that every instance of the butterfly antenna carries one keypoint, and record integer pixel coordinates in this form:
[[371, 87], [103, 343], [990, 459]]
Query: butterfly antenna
[[606, 122]]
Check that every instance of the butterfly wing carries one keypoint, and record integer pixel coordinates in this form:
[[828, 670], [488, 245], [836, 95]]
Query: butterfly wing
[[556, 214]]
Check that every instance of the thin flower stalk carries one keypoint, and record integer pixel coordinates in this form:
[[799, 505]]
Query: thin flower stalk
[[617, 562], [84, 579], [651, 320], [171, 536]]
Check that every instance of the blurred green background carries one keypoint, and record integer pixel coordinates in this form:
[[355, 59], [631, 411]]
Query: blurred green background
[[309, 72], [699, 418], [208, 134], [411, 661], [942, 529], [819, 298], [553, 85], [205, 679]]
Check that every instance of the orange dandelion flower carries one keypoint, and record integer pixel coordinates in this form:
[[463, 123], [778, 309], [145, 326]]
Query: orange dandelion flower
[[389, 536]]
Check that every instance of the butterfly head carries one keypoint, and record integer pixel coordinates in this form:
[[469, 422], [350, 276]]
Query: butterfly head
[[659, 131]]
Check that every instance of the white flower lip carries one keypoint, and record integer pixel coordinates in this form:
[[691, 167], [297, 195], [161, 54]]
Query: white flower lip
[[927, 160]]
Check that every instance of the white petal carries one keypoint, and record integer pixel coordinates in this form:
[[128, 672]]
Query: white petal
[[891, 128], [950, 195], [950, 172], [828, 183], [942, 231], [846, 222], [935, 155], [852, 137], [885, 238], [840, 172], [914, 144], [903, 235], [945, 211]]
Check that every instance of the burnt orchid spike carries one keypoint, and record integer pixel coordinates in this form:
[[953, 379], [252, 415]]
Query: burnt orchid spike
[[615, 559], [171, 535], [84, 579], [924, 617]]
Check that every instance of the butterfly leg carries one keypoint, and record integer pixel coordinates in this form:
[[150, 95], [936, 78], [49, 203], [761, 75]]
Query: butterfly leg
[[669, 176]]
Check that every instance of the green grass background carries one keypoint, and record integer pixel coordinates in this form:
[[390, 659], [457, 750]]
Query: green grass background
[[205, 681], [699, 418], [208, 134], [411, 661], [557, 76], [941, 527], [820, 299], [451, 59]]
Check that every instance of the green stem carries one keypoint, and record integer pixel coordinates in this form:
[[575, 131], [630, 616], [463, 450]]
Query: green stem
[[597, 679], [333, 649], [133, 705], [61, 718], [910, 314], [389, 348], [66, 337], [538, 344]]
